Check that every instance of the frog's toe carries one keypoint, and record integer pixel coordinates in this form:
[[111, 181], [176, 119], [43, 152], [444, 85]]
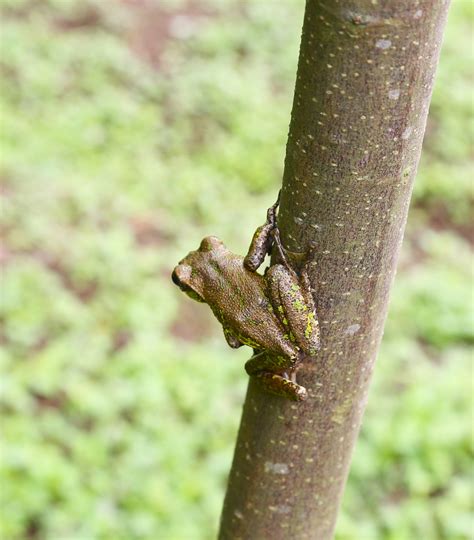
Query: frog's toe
[[281, 386], [301, 393]]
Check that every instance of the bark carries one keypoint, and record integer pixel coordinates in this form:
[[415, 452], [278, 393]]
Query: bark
[[363, 89]]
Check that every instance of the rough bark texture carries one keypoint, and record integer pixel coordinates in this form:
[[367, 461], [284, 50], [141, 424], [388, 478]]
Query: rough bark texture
[[362, 95]]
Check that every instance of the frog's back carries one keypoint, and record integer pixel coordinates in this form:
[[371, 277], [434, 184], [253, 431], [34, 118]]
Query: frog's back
[[241, 304], [234, 290]]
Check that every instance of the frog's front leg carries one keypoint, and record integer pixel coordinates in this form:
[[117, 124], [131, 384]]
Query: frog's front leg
[[262, 240], [272, 373], [232, 339]]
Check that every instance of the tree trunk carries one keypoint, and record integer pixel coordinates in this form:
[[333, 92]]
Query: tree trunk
[[362, 95]]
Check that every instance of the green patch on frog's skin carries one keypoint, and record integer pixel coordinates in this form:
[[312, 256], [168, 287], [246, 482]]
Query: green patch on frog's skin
[[194, 295], [280, 361], [240, 296], [310, 325], [298, 304], [249, 342]]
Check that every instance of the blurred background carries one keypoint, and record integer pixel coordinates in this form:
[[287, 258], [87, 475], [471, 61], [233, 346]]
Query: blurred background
[[129, 131]]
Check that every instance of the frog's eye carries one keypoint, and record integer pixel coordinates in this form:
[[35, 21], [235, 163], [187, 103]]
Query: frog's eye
[[209, 243]]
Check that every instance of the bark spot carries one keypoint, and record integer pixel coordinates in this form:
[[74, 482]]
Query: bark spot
[[276, 468], [341, 411], [406, 134], [280, 509], [394, 94], [383, 43]]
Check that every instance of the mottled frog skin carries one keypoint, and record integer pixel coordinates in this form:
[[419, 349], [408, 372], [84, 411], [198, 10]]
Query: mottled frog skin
[[273, 313]]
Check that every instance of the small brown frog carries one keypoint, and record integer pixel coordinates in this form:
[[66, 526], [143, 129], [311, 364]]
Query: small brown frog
[[273, 313]]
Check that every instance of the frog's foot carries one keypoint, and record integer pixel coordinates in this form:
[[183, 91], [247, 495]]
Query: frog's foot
[[276, 375], [280, 249], [279, 385]]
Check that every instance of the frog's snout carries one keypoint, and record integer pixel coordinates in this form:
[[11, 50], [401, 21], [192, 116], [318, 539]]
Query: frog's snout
[[181, 275], [175, 278]]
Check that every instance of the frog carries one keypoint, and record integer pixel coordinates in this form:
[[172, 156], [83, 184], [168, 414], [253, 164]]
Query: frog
[[273, 313]]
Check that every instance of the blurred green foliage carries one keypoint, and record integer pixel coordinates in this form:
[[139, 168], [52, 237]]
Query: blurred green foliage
[[129, 131]]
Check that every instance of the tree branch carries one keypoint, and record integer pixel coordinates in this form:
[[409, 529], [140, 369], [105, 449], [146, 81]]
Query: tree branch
[[362, 94]]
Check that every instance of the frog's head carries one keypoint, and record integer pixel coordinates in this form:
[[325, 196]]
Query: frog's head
[[191, 273]]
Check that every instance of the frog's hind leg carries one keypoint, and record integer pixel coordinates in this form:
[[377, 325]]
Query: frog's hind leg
[[276, 375], [294, 306], [263, 361]]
